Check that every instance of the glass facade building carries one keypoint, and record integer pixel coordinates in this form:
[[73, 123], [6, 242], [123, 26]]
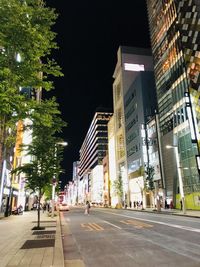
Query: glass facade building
[[175, 38], [95, 144]]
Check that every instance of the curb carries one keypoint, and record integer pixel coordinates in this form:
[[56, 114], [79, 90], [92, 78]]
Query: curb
[[166, 213], [58, 253]]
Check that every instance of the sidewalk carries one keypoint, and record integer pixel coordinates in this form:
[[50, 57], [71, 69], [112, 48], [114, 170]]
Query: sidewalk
[[189, 213], [23, 247]]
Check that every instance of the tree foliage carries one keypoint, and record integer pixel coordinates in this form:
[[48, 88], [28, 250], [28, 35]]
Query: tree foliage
[[118, 187], [26, 41], [45, 123], [150, 172]]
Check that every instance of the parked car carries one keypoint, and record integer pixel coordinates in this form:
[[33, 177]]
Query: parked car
[[63, 207]]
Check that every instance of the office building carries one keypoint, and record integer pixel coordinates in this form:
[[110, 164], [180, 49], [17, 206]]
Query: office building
[[139, 107], [130, 63], [175, 39], [94, 148]]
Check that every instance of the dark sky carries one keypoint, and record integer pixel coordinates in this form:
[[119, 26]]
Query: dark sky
[[89, 34]]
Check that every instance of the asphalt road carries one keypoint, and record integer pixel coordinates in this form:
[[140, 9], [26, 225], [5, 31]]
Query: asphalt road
[[123, 238]]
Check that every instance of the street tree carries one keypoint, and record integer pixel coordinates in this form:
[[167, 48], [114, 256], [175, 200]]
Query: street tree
[[46, 156], [151, 184], [150, 172], [26, 41], [118, 188]]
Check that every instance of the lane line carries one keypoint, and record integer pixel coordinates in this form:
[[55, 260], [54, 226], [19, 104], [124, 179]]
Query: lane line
[[112, 225], [188, 228]]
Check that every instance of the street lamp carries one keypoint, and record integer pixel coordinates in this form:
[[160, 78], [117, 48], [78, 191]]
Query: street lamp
[[179, 176], [54, 180], [62, 143]]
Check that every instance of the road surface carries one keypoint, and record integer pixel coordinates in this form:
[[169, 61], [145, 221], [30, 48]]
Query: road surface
[[125, 238]]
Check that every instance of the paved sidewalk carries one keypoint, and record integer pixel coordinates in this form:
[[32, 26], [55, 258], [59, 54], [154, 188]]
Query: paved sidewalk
[[23, 247], [189, 213]]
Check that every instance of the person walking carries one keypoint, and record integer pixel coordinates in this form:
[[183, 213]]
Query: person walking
[[181, 204], [44, 206], [87, 207]]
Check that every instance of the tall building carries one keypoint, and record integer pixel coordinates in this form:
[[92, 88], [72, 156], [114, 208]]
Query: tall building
[[130, 63], [139, 107], [75, 178], [175, 39], [94, 148], [112, 162], [106, 181]]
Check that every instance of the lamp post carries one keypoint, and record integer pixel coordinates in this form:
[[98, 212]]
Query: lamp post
[[53, 196], [179, 177], [54, 181]]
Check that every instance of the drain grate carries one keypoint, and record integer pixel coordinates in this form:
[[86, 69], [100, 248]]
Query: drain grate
[[36, 228], [29, 244], [43, 221], [49, 226], [44, 232], [45, 236]]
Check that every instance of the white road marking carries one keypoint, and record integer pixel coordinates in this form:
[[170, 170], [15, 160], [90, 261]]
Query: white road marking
[[113, 225], [162, 223]]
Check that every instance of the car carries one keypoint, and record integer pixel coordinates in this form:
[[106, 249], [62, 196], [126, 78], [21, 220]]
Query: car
[[63, 207]]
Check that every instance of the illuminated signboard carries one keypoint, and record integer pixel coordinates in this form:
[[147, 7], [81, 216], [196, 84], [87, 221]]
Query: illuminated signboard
[[133, 67]]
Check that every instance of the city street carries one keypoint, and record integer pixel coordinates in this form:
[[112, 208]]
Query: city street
[[125, 238]]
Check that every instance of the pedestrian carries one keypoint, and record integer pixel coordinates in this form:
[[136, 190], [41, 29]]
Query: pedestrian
[[87, 207], [171, 205], [34, 206], [166, 204], [20, 209], [44, 207], [181, 204], [48, 207]]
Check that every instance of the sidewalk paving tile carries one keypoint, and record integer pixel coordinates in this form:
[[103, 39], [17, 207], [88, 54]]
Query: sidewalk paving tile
[[16, 230], [74, 263]]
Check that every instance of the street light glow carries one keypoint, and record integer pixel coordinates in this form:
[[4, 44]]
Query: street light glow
[[180, 178], [62, 143], [168, 146]]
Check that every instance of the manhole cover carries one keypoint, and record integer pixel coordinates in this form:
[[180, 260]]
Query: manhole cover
[[29, 244]]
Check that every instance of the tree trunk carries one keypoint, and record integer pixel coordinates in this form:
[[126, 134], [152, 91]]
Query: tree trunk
[[2, 142], [157, 197], [38, 223]]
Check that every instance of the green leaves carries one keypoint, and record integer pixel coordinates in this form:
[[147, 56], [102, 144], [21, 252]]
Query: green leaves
[[118, 186], [150, 172], [46, 155], [26, 41], [26, 31]]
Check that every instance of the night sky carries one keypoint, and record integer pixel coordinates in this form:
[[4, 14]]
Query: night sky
[[89, 33]]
